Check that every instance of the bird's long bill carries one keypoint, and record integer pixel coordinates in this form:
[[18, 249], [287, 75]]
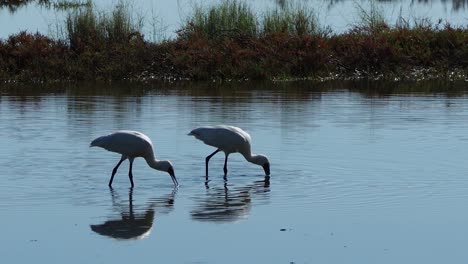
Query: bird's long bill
[[174, 180], [266, 168]]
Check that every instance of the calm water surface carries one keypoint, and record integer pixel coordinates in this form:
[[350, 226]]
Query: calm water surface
[[357, 176]]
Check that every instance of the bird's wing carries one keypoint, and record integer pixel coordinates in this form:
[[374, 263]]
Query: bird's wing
[[226, 138], [130, 143], [244, 135]]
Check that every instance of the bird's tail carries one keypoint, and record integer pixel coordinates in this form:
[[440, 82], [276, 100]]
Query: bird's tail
[[98, 142], [197, 132]]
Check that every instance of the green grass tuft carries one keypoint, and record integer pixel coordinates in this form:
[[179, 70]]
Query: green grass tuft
[[227, 18], [291, 19], [89, 28]]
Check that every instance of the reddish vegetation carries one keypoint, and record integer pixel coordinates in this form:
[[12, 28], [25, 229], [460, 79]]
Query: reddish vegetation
[[26, 56], [357, 53]]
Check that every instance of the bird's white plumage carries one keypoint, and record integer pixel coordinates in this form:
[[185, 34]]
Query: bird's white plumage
[[132, 144], [229, 139], [126, 142]]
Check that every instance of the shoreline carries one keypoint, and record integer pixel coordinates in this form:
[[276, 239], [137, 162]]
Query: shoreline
[[29, 57], [228, 42]]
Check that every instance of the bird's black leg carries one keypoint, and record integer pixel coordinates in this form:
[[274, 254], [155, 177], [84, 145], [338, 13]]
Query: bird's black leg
[[130, 175], [225, 165], [208, 159], [114, 171], [130, 202], [174, 180]]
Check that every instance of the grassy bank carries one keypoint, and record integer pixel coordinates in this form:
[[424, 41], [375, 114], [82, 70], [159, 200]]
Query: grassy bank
[[229, 41]]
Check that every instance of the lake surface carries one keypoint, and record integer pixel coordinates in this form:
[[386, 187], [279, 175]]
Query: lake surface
[[361, 173], [167, 16]]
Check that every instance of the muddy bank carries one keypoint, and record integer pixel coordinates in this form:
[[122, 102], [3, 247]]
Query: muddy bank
[[431, 52]]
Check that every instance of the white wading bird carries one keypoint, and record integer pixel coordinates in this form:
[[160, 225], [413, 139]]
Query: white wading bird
[[229, 139], [132, 144]]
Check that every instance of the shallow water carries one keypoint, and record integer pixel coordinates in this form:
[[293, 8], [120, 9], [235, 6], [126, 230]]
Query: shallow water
[[358, 176]]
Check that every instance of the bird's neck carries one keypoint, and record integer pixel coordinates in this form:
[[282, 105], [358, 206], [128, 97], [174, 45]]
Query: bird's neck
[[153, 162], [252, 158]]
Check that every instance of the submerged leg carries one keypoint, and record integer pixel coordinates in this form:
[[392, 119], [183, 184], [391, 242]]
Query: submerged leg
[[208, 159], [114, 171], [174, 180], [225, 165], [130, 175], [130, 202]]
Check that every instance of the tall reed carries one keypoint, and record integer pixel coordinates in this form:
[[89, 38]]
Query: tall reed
[[87, 27], [371, 19], [236, 17], [228, 17], [292, 19]]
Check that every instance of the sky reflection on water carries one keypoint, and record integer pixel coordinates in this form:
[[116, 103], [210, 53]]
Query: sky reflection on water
[[361, 172]]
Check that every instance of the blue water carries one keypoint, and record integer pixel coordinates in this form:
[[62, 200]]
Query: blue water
[[358, 176]]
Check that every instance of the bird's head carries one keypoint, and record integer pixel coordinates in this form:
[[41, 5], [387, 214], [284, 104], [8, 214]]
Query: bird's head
[[166, 166], [262, 160]]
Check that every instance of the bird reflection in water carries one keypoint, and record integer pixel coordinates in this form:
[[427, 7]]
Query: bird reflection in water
[[229, 204], [134, 224]]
